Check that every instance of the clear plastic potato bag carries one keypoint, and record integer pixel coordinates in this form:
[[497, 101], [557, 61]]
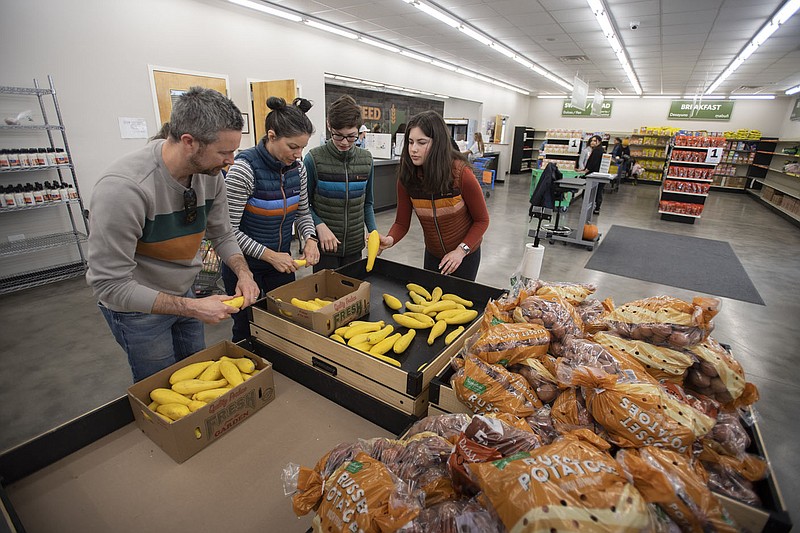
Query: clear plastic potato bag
[[661, 362], [574, 293], [719, 375], [553, 312]]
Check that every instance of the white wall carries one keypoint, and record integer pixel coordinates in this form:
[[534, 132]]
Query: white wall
[[626, 115], [98, 52], [790, 129]]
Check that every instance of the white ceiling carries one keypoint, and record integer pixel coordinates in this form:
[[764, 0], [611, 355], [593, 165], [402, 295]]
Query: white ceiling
[[680, 47]]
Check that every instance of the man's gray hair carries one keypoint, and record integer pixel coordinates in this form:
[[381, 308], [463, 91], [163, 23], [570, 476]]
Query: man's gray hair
[[203, 113]]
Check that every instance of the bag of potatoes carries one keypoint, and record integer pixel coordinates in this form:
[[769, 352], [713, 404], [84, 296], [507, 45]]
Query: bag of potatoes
[[665, 321], [486, 388], [539, 377], [569, 412], [659, 361], [572, 484], [640, 414], [508, 344], [555, 314], [574, 293], [593, 313], [669, 480], [718, 375]]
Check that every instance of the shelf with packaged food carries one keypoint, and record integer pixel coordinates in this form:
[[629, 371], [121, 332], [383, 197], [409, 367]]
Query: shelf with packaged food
[[27, 200]]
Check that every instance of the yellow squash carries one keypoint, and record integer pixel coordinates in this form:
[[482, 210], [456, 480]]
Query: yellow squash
[[378, 336], [211, 373], [436, 294], [362, 328], [452, 335], [163, 396], [464, 317], [417, 299], [419, 289], [373, 247], [300, 262], [245, 365], [211, 394], [385, 345], [174, 411], [457, 299], [189, 371], [235, 302], [436, 331], [403, 342], [231, 374], [408, 322], [191, 386], [194, 405], [422, 317], [392, 302]]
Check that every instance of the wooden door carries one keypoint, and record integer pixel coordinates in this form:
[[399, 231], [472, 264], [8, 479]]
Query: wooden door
[[260, 91], [168, 84]]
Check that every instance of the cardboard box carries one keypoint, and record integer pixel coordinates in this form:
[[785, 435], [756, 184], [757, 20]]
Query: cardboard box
[[185, 437], [350, 301]]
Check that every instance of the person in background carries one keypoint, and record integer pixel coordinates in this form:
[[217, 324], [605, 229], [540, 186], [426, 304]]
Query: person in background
[[267, 194], [151, 210], [620, 155], [376, 128], [340, 177], [593, 165], [437, 183], [476, 149], [584, 157], [361, 142], [637, 171]]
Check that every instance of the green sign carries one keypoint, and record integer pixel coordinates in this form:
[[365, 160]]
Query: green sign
[[796, 110], [568, 111], [708, 110]]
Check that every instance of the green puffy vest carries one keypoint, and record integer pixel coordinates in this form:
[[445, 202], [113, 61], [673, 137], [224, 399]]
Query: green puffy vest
[[341, 186]]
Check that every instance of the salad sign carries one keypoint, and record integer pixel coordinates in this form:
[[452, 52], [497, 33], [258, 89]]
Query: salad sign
[[702, 110]]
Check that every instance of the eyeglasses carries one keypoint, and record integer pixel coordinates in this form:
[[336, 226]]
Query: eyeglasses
[[349, 138], [189, 205]]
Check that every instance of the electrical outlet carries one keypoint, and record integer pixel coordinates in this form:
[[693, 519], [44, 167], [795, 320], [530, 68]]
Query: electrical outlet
[[15, 238]]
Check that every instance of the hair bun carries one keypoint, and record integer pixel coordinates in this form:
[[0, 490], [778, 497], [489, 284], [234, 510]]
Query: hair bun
[[276, 102], [303, 104]]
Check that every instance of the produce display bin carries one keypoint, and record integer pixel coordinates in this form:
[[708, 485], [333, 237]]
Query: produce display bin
[[402, 388], [772, 518], [185, 437]]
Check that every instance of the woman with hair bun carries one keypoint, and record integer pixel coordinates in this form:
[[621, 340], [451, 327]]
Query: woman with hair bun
[[267, 194]]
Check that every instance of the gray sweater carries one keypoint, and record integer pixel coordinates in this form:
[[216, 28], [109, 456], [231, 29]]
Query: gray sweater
[[139, 241]]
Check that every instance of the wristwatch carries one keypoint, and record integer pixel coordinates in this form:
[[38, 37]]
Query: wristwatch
[[464, 247]]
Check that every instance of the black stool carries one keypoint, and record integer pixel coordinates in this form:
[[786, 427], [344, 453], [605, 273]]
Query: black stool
[[555, 228]]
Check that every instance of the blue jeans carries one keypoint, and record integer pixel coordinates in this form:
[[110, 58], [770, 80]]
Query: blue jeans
[[154, 342]]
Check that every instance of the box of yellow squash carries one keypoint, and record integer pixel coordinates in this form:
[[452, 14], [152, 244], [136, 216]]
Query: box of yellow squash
[[342, 300], [188, 435]]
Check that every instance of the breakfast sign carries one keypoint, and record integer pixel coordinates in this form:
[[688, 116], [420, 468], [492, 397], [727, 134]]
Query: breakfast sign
[[694, 110]]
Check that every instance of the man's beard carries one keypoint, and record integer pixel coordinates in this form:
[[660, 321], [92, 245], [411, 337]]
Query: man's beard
[[197, 167]]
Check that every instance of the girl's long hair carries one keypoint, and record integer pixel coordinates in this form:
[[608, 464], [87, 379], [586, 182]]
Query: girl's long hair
[[438, 167]]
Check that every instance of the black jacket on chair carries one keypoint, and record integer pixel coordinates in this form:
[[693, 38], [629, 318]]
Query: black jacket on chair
[[543, 195]]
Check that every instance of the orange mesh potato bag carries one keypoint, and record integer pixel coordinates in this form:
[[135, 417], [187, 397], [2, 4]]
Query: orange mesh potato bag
[[363, 495], [508, 344], [659, 361], [640, 414], [665, 321], [569, 485], [718, 375], [668, 479], [486, 388]]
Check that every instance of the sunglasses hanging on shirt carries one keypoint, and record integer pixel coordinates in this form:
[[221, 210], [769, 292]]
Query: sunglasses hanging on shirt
[[189, 205]]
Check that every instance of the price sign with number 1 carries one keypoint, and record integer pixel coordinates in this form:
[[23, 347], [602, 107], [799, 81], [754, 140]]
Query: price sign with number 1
[[574, 145], [714, 155]]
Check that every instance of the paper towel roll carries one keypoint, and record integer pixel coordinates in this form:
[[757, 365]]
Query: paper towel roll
[[532, 261]]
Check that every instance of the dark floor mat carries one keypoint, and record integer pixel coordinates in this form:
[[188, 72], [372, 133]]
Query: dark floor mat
[[702, 265]]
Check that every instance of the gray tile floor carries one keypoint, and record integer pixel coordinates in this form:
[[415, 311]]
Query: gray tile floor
[[59, 359]]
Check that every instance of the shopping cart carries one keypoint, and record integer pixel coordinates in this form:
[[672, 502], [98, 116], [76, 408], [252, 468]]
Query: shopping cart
[[207, 281], [485, 175]]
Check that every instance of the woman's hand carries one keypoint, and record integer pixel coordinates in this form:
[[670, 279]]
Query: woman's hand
[[451, 261], [386, 242], [280, 261], [311, 252], [328, 242]]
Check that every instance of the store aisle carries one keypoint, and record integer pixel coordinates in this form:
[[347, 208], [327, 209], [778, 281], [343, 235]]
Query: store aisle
[[59, 359]]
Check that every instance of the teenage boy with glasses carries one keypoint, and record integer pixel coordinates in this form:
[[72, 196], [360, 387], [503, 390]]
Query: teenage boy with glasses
[[340, 176], [150, 211]]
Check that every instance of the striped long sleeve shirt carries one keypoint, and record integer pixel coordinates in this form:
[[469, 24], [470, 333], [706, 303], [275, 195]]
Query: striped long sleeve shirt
[[241, 183]]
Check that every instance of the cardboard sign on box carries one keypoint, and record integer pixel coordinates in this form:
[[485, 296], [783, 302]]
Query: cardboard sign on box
[[185, 437], [350, 301]]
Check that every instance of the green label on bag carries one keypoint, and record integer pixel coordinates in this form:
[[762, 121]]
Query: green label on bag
[[502, 463], [474, 386], [354, 467]]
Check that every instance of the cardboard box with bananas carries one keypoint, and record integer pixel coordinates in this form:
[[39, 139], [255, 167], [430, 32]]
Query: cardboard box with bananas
[[321, 302], [189, 405]]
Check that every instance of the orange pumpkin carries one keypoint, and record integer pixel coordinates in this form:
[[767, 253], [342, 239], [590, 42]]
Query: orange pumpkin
[[589, 232]]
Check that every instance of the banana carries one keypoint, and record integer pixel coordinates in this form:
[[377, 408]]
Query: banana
[[457, 299], [403, 342], [392, 302], [436, 331], [419, 289], [452, 335]]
